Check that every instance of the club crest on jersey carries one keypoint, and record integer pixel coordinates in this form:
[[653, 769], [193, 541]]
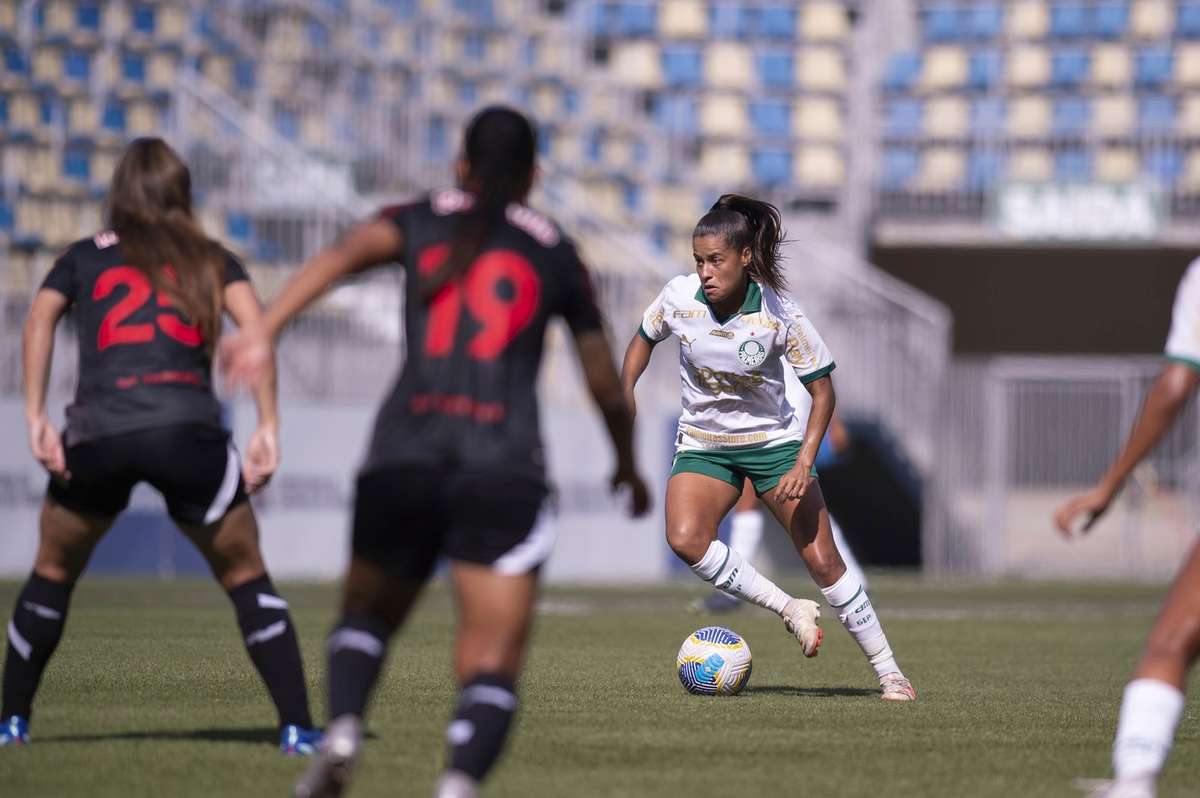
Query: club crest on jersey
[[752, 353]]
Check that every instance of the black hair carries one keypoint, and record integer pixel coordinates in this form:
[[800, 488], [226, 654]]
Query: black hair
[[745, 222], [500, 148]]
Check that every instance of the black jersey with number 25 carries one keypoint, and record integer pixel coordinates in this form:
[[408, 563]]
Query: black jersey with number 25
[[142, 364], [466, 397]]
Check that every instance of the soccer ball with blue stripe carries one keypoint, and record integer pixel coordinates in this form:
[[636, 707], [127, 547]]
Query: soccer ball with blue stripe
[[714, 661]]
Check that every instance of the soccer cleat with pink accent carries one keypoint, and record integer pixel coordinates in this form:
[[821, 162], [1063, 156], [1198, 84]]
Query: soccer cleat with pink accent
[[800, 618], [894, 687]]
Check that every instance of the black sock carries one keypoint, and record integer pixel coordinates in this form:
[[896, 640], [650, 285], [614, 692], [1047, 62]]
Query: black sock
[[356, 649], [33, 634], [271, 643], [485, 712]]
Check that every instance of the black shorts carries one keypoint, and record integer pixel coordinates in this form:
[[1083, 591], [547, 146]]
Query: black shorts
[[405, 517], [193, 466]]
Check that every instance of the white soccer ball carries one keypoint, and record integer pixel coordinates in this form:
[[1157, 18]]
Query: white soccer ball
[[714, 661]]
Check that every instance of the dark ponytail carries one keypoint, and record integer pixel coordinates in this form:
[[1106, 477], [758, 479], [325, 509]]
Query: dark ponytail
[[499, 148], [745, 222]]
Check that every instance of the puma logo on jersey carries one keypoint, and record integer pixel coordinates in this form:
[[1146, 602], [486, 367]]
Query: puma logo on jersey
[[722, 333], [685, 341]]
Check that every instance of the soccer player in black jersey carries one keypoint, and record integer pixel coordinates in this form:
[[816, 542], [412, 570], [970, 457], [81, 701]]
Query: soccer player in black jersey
[[147, 298], [455, 466]]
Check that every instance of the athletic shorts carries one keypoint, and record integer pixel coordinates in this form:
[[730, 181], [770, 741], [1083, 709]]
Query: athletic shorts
[[405, 517], [764, 467], [193, 466]]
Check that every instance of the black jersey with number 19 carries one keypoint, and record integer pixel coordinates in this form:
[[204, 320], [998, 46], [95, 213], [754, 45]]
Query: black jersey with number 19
[[466, 397]]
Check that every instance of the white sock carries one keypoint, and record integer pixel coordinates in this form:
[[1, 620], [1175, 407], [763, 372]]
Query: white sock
[[731, 573], [853, 607], [843, 548], [1150, 713], [745, 532]]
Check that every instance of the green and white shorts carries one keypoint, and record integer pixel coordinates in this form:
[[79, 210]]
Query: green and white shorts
[[763, 466]]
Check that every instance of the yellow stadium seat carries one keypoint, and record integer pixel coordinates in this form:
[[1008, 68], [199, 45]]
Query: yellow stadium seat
[[8, 14], [944, 67], [171, 22], [728, 65], [618, 153], [59, 16], [82, 116], [48, 64], [1190, 179], [1188, 122], [1028, 66], [637, 63], [1151, 19], [821, 69], [604, 197], [160, 68], [219, 69], [723, 115], [1028, 19], [117, 19], [942, 169], [818, 118], [819, 166], [44, 170], [1032, 164], [315, 132], [1113, 115], [679, 207], [1111, 65], [682, 19], [823, 21], [1116, 164], [23, 112], [143, 119], [1029, 116], [398, 41], [946, 117], [1187, 65], [724, 163], [553, 56], [545, 101]]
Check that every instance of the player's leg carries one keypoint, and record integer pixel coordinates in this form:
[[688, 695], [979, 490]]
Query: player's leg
[[696, 503], [745, 534], [1154, 698], [807, 522], [66, 541]]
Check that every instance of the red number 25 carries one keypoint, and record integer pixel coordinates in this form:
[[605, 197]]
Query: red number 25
[[138, 291]]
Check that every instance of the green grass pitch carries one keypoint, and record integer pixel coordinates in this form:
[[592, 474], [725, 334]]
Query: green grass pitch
[[151, 695]]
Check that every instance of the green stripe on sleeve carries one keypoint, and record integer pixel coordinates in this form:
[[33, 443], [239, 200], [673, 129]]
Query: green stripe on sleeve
[[818, 374], [648, 339], [1187, 361]]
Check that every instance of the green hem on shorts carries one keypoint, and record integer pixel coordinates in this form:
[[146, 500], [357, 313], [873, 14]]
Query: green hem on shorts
[[763, 466]]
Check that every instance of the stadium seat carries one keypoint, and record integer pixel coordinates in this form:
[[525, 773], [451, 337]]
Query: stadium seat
[[771, 166], [1029, 116], [1187, 20], [144, 19], [1032, 164], [681, 65], [945, 67], [1187, 65], [1188, 121], [16, 66], [819, 167], [1153, 66], [1116, 164], [8, 15], [818, 118], [1110, 20], [987, 116], [1111, 65], [1164, 165], [132, 67], [1190, 179], [823, 20], [723, 115], [729, 20], [902, 117], [1068, 20], [1156, 113], [984, 20], [941, 23], [946, 117], [1069, 67], [985, 168], [113, 117], [144, 118], [1028, 19], [942, 169], [1071, 115], [161, 66], [728, 65], [83, 117], [985, 70], [626, 19], [1151, 19], [1028, 66], [821, 69], [48, 65], [23, 113], [900, 165], [776, 20], [678, 114], [724, 163], [77, 166], [1113, 115], [682, 19], [771, 118], [637, 63]]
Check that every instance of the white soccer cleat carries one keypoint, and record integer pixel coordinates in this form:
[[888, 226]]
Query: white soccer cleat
[[894, 687], [454, 784], [333, 765], [800, 618], [1140, 787]]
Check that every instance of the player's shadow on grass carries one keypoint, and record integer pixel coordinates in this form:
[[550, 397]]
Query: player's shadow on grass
[[256, 736], [809, 692]]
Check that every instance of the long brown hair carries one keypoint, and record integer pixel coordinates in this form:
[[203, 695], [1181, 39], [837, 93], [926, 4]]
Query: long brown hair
[[745, 222], [150, 209]]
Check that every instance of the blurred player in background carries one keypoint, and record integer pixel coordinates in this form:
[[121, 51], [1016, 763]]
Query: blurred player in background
[[736, 329], [148, 298], [1154, 698], [456, 467]]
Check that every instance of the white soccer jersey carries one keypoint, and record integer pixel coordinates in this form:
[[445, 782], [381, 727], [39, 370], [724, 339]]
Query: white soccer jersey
[[1183, 342], [734, 394]]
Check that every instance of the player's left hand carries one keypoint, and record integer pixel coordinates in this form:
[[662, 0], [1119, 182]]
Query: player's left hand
[[1092, 505], [47, 447], [794, 483], [245, 356], [262, 458]]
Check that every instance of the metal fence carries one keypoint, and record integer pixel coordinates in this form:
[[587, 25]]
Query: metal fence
[[1018, 436]]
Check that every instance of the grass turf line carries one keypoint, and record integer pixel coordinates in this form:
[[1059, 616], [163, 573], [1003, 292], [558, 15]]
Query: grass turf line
[[151, 694]]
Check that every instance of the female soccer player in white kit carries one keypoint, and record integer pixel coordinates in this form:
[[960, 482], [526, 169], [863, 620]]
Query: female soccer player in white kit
[[736, 330], [1154, 697]]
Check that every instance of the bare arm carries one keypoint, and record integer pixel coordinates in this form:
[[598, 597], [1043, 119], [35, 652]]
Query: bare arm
[[605, 388], [262, 453], [1166, 398], [637, 358], [795, 483], [37, 348]]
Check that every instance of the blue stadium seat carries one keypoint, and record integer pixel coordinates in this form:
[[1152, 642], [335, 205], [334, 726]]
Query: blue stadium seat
[[902, 72], [16, 63], [319, 36], [681, 65], [4, 111], [1073, 164], [468, 92], [903, 117], [771, 117], [1068, 20], [77, 164], [730, 21], [287, 122], [984, 20], [1069, 67], [985, 69], [437, 142], [941, 23], [114, 118], [984, 169], [1156, 113], [87, 16], [7, 217], [988, 115], [631, 195], [594, 146], [1153, 66], [626, 19], [244, 75], [570, 100], [775, 21], [678, 114], [1187, 20], [77, 64], [239, 227], [1110, 20], [771, 167], [481, 10], [474, 45], [1071, 115], [1165, 165], [900, 166], [133, 66], [144, 19]]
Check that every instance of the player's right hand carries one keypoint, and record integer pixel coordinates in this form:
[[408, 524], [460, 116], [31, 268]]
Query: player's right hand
[[47, 447], [1092, 505], [262, 458], [639, 496], [245, 356]]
